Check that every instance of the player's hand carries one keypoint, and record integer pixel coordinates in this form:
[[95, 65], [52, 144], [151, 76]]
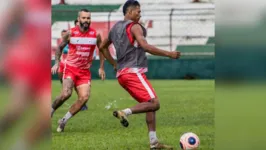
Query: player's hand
[[102, 73], [115, 68], [174, 54], [54, 68]]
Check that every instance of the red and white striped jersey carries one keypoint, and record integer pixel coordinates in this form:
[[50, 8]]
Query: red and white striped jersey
[[81, 48]]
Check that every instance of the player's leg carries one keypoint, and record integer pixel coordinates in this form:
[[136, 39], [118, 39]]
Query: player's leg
[[83, 96], [140, 89], [66, 92], [20, 96], [83, 81], [60, 76], [40, 128], [149, 106], [151, 124], [84, 107]]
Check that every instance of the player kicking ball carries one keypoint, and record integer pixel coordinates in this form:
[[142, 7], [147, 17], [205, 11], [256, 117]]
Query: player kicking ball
[[82, 42], [128, 38]]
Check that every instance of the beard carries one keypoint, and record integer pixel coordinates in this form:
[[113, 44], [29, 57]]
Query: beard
[[85, 25]]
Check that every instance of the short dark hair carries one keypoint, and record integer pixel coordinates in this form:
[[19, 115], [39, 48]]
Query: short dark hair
[[128, 4], [63, 31], [84, 10], [75, 22]]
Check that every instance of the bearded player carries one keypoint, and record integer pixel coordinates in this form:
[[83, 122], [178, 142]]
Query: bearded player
[[62, 62], [128, 38], [82, 42]]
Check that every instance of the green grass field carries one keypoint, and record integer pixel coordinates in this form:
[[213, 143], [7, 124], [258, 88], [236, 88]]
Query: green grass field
[[185, 106]]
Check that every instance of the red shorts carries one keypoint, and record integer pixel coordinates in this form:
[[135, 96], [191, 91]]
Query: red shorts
[[61, 67], [137, 86], [78, 76]]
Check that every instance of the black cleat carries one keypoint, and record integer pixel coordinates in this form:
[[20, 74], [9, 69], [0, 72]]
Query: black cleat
[[122, 117]]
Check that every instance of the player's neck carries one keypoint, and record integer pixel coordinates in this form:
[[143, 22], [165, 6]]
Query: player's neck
[[126, 18]]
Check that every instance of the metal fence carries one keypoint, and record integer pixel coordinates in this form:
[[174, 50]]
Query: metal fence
[[169, 27]]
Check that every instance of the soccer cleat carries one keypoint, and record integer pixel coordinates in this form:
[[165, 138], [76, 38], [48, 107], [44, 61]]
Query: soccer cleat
[[61, 125], [122, 117], [84, 107], [158, 146]]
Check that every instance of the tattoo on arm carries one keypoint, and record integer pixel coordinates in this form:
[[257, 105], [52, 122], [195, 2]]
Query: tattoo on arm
[[60, 48]]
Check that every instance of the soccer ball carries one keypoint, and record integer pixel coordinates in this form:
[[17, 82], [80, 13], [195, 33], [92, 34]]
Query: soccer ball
[[189, 141]]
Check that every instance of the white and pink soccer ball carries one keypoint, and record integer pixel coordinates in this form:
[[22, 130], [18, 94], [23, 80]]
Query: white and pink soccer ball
[[189, 141]]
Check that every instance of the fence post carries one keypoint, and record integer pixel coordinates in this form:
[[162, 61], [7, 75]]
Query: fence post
[[170, 28]]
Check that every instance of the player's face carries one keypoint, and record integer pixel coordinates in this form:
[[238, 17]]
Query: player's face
[[63, 34], [85, 20], [136, 14]]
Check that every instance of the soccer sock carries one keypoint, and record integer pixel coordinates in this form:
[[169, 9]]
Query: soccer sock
[[127, 111], [153, 137], [67, 116]]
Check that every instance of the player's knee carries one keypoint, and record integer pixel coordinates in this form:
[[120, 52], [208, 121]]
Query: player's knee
[[66, 94], [156, 106], [84, 98]]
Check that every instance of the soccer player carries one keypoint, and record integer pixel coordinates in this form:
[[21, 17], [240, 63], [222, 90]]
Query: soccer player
[[82, 42], [128, 38], [63, 57], [26, 45], [62, 62], [76, 22]]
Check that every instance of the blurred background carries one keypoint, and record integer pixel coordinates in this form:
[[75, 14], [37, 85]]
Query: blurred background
[[183, 25], [25, 95], [240, 75]]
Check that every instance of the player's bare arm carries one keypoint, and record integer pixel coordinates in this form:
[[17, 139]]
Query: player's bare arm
[[58, 51], [61, 46], [104, 50], [137, 33], [101, 69]]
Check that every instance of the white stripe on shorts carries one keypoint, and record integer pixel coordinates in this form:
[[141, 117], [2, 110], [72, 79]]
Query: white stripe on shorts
[[144, 83]]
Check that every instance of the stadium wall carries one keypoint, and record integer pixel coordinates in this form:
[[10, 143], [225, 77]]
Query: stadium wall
[[202, 68]]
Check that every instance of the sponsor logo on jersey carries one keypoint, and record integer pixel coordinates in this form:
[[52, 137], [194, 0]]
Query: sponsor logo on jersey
[[82, 48]]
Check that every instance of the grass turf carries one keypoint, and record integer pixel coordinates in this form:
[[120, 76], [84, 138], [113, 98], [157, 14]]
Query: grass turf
[[186, 106]]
